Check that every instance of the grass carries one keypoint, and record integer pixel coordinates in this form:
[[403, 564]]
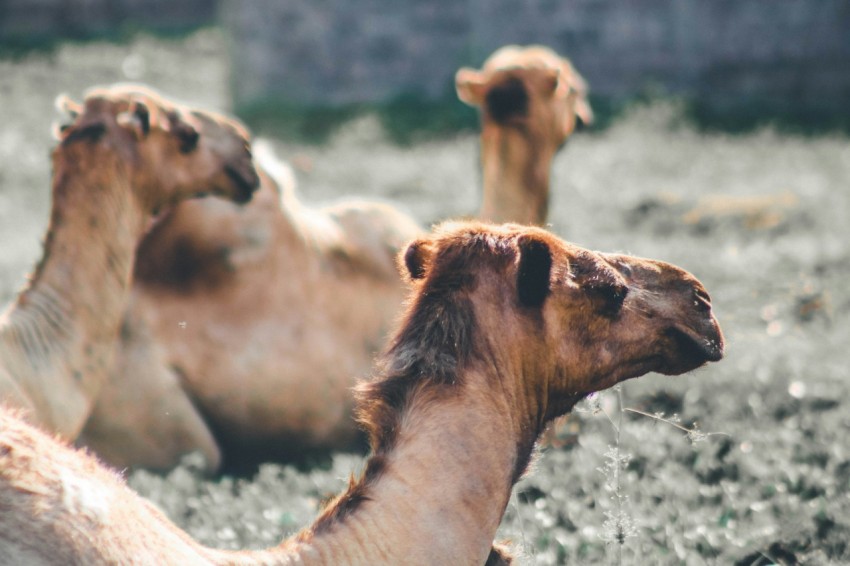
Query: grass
[[774, 488]]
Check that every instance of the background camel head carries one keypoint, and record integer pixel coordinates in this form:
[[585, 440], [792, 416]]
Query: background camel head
[[568, 320], [171, 152], [531, 88]]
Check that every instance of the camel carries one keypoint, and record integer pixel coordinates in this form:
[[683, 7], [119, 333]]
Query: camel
[[127, 154], [529, 99], [506, 328], [256, 320]]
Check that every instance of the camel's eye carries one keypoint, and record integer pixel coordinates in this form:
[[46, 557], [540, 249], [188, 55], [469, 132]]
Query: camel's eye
[[610, 297], [702, 300]]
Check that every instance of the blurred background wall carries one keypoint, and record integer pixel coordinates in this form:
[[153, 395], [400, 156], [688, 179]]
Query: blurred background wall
[[31, 23], [730, 56]]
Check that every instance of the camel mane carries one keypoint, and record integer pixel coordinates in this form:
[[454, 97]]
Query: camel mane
[[434, 342]]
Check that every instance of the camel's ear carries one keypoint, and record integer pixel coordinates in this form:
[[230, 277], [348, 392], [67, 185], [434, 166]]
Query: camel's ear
[[143, 116], [58, 130], [471, 86], [582, 106], [67, 106], [583, 110], [417, 258], [136, 119], [533, 273]]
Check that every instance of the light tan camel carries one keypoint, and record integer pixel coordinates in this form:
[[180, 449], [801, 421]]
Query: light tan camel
[[529, 99], [127, 154], [506, 328], [257, 319], [254, 321]]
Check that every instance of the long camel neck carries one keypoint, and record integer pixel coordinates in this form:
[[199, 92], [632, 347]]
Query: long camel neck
[[437, 496], [516, 169], [56, 339], [442, 496]]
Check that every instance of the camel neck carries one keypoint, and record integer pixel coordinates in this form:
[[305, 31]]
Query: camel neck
[[516, 169], [60, 332], [442, 488]]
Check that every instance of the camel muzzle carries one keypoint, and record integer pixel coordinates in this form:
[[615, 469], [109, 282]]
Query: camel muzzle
[[245, 180], [693, 349]]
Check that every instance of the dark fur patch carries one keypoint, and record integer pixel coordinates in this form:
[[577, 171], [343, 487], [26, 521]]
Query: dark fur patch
[[348, 502], [144, 116], [535, 265], [182, 265], [185, 133], [499, 556], [601, 282], [87, 132], [429, 351], [507, 100], [415, 259]]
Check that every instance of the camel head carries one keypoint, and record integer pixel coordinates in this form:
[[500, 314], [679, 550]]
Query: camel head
[[567, 320], [531, 89], [170, 152]]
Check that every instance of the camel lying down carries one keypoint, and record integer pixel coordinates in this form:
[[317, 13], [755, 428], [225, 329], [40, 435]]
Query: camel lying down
[[506, 328]]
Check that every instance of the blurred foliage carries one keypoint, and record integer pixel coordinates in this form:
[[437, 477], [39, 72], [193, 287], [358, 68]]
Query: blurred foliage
[[406, 119], [748, 115], [410, 118]]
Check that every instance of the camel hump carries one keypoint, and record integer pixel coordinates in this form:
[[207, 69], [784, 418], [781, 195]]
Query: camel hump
[[372, 234]]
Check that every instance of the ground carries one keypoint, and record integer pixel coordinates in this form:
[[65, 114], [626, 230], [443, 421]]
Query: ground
[[761, 218]]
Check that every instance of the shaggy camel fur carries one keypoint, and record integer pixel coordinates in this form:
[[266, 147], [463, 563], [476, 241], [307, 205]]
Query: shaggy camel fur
[[529, 99], [127, 154], [252, 322], [507, 327]]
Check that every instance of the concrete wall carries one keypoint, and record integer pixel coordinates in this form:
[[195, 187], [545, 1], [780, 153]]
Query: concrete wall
[[786, 53]]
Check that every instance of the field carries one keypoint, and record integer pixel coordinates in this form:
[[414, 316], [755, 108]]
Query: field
[[761, 476]]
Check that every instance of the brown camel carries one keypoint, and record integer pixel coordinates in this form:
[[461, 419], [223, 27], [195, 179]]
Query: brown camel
[[529, 98], [257, 319], [127, 154], [507, 327]]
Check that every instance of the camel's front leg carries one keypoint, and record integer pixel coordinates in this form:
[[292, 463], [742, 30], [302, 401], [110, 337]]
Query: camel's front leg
[[143, 418]]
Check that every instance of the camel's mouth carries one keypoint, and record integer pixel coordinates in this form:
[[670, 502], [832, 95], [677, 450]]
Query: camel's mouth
[[245, 180], [691, 350]]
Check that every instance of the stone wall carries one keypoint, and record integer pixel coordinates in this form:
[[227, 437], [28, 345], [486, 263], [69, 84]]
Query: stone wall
[[32, 22], [787, 53]]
